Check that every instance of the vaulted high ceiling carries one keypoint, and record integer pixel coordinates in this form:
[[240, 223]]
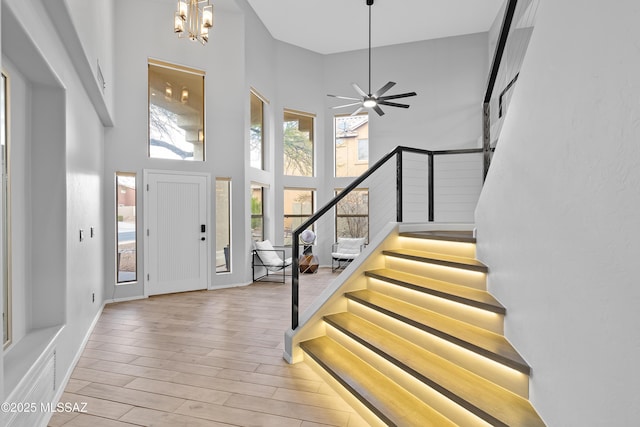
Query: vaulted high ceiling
[[330, 26]]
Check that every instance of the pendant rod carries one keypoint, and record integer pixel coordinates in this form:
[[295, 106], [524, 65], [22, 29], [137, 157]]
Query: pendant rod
[[369, 3]]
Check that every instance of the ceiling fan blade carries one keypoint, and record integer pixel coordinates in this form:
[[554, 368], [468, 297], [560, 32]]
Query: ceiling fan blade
[[347, 105], [400, 95], [360, 91], [383, 89], [393, 104], [378, 110], [355, 113], [344, 97]]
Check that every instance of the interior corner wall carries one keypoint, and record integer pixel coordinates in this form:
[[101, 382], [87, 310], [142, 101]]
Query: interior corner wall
[[558, 217], [299, 86], [261, 76]]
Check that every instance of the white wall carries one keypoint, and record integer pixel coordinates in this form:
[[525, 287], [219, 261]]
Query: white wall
[[558, 217], [57, 152], [243, 55], [2, 266], [225, 107], [94, 25], [449, 76]]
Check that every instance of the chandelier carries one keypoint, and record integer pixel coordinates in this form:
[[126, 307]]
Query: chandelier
[[192, 21]]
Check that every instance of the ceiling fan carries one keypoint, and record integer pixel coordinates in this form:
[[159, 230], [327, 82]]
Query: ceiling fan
[[373, 100]]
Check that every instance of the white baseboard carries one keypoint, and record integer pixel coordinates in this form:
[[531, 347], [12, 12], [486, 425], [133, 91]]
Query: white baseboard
[[231, 285], [63, 384], [114, 300]]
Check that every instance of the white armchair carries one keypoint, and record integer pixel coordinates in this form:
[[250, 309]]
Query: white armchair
[[345, 250], [266, 260]]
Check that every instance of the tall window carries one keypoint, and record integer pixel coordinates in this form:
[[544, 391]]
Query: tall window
[[298, 207], [223, 225], [176, 112], [298, 143], [6, 277], [126, 253], [256, 132], [352, 215], [257, 212], [351, 141]]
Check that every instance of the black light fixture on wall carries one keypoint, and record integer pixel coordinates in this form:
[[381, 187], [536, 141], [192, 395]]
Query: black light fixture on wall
[[373, 100]]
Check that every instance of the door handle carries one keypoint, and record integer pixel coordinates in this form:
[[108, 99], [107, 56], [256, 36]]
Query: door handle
[[202, 238]]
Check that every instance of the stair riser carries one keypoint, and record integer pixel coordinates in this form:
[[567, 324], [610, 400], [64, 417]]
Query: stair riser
[[435, 399], [367, 416], [482, 318], [498, 373], [472, 279], [438, 246]]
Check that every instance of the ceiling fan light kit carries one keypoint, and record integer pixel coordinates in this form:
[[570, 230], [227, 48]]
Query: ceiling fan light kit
[[372, 100]]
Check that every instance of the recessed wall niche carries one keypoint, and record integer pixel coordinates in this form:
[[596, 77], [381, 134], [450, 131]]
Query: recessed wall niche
[[38, 245]]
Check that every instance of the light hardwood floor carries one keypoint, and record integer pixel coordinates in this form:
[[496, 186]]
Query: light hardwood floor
[[207, 358]]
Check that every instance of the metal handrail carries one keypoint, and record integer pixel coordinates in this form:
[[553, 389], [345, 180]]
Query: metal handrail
[[396, 152], [509, 13]]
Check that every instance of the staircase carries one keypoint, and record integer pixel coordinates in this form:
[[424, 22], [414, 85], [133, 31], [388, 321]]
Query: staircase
[[422, 344]]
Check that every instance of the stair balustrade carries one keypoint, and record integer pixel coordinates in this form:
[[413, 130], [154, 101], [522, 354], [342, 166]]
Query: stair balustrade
[[404, 185]]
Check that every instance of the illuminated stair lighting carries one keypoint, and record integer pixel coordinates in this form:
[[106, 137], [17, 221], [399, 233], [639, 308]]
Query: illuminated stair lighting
[[422, 343]]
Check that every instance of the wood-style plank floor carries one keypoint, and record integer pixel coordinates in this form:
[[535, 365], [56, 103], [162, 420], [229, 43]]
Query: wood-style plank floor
[[206, 358]]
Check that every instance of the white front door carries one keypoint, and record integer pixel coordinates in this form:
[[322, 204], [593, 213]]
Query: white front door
[[177, 234]]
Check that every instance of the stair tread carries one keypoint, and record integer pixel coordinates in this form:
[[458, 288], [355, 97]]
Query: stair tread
[[458, 293], [438, 258], [392, 403], [483, 398], [447, 235], [473, 338]]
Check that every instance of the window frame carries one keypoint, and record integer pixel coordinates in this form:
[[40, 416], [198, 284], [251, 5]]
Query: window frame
[[312, 133], [312, 192], [261, 214], [135, 233], [253, 94], [227, 256], [359, 142], [6, 217], [201, 133], [345, 160]]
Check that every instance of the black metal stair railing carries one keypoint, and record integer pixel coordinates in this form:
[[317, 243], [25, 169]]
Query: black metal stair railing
[[396, 154]]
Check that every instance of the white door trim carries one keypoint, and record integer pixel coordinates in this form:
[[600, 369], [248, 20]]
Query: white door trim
[[145, 204]]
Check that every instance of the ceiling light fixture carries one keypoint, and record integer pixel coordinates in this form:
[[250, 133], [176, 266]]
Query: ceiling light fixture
[[375, 100], [193, 22]]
